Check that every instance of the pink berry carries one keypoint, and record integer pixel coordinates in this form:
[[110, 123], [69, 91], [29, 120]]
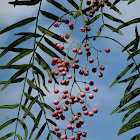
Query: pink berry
[[77, 66], [84, 108], [95, 2], [63, 82], [74, 49], [95, 89], [100, 74], [60, 111], [69, 126], [85, 112], [56, 91], [91, 96], [102, 67], [84, 134], [67, 36], [50, 81], [58, 45], [81, 72], [81, 101], [56, 102], [79, 133], [82, 95], [58, 135], [80, 52], [90, 113], [61, 47], [69, 76], [105, 1], [71, 120], [107, 50], [72, 138], [63, 73], [53, 72], [65, 91], [86, 73], [64, 136], [102, 4], [90, 15], [76, 60], [57, 107], [82, 29], [81, 122], [55, 24], [56, 73], [96, 8], [86, 44], [57, 128], [87, 48], [70, 24], [72, 127], [88, 53], [87, 88], [95, 110], [64, 96], [65, 108], [91, 60], [92, 11], [76, 118]]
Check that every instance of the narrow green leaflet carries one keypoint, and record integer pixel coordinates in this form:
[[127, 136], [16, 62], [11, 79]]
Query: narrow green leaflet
[[130, 106], [42, 75], [7, 136], [31, 84], [32, 98], [27, 3], [29, 114], [113, 29], [13, 66], [29, 107], [94, 19], [115, 9], [59, 6], [98, 33], [46, 50], [48, 137], [116, 109], [137, 41], [87, 9], [43, 64], [13, 81], [134, 54], [36, 123], [129, 112], [112, 18], [21, 71], [54, 46], [19, 137], [48, 107], [136, 68], [72, 2], [15, 43], [40, 131], [122, 74], [131, 124], [18, 24], [115, 2], [131, 1], [9, 106], [25, 129], [7, 123], [136, 137], [15, 49], [29, 93], [18, 57], [51, 34], [129, 86], [53, 132], [133, 21], [52, 16], [130, 78], [52, 122], [28, 33], [130, 44], [130, 96]]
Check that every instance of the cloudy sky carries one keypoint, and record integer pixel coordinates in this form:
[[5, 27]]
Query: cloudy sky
[[101, 126]]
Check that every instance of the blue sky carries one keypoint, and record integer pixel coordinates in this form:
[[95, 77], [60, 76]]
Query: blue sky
[[101, 126]]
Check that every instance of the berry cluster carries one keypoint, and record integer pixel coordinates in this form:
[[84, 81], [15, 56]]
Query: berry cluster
[[62, 69]]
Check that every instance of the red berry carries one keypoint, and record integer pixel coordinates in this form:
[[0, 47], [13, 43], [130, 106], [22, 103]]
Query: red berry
[[92, 11], [58, 44], [56, 73], [55, 24], [50, 81], [70, 24], [57, 128], [82, 95], [86, 44], [84, 108], [90, 113], [56, 102], [81, 122], [62, 37], [58, 135], [107, 50], [91, 60], [67, 36], [102, 4], [95, 110], [94, 70], [86, 73], [88, 53], [81, 101], [81, 72], [84, 134], [90, 15], [87, 20], [76, 60], [105, 1], [53, 72], [96, 8], [87, 88], [78, 125], [95, 2], [85, 112], [64, 96], [65, 91], [91, 96], [95, 89], [88, 2], [63, 73], [63, 82], [60, 111], [61, 47], [74, 49], [57, 107], [69, 76], [73, 65], [69, 126], [65, 108], [102, 67], [82, 29], [72, 138], [79, 133], [75, 118], [56, 91], [64, 136], [87, 48], [77, 66], [88, 28], [100, 74], [91, 83], [109, 4]]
